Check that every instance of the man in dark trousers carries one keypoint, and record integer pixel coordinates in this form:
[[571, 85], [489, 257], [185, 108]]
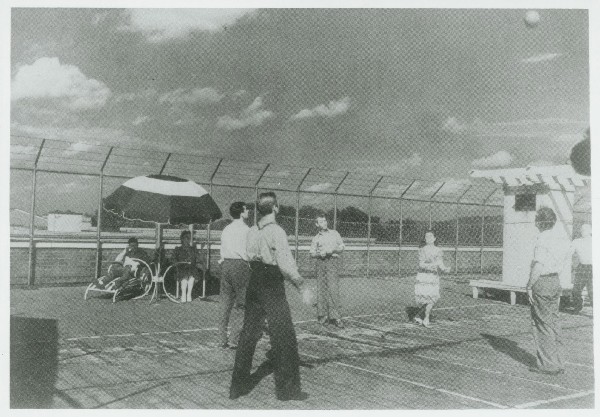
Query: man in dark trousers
[[271, 262]]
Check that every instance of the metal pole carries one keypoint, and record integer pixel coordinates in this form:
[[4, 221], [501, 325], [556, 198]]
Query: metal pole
[[31, 271], [165, 164], [256, 193], [99, 219], [482, 231], [401, 227], [298, 212], [431, 203], [335, 200], [207, 266], [456, 243], [369, 226]]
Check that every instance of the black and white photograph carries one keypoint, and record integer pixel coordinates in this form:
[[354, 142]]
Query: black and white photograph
[[299, 206]]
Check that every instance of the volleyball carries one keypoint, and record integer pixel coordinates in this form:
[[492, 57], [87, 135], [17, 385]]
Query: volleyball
[[532, 18]]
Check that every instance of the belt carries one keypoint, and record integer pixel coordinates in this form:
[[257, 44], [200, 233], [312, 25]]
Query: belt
[[550, 275]]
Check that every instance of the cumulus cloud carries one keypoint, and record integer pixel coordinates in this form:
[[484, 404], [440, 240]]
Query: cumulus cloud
[[78, 147], [253, 115], [499, 159], [160, 25], [540, 58], [139, 120], [319, 187], [145, 94], [334, 108], [100, 135], [47, 78], [451, 187], [414, 161], [192, 96], [452, 125]]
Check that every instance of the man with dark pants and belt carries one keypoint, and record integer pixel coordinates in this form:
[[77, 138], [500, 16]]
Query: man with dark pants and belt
[[235, 274], [271, 262], [544, 291], [583, 273], [326, 248]]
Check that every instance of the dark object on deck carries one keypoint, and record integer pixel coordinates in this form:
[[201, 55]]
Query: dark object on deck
[[33, 362]]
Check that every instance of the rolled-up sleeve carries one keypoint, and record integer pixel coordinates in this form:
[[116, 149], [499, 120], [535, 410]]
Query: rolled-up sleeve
[[339, 243], [285, 260]]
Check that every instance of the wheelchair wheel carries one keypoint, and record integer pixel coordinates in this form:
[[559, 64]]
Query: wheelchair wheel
[[170, 285], [89, 287]]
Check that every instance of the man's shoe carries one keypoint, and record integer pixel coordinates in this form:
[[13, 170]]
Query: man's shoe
[[339, 324], [238, 392], [232, 346], [225, 345], [297, 396], [322, 320]]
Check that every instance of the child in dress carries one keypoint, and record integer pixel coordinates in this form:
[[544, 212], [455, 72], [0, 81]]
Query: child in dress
[[427, 287]]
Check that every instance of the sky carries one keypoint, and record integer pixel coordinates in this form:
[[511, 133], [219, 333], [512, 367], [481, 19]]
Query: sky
[[416, 93]]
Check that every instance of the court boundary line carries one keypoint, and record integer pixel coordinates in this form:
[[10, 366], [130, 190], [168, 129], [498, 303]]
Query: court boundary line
[[555, 399], [71, 339], [418, 384]]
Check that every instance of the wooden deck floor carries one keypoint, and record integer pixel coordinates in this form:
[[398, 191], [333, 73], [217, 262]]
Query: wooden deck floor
[[476, 356]]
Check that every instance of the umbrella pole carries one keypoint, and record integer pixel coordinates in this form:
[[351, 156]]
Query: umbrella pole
[[206, 269], [156, 293]]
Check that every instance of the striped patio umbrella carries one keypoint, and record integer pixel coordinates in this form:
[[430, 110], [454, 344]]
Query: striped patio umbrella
[[163, 199]]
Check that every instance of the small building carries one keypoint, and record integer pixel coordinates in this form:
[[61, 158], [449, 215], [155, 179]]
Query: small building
[[68, 222], [525, 191]]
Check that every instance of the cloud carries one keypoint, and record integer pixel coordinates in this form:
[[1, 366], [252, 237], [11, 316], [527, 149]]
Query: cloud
[[139, 120], [192, 96], [452, 186], [540, 58], [47, 78], [100, 134], [253, 115], [452, 125], [319, 187], [414, 161], [499, 159], [145, 94], [160, 25], [540, 163], [334, 108], [78, 147]]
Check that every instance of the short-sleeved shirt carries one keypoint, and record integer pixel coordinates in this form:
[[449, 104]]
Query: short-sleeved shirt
[[327, 241], [268, 243], [551, 251]]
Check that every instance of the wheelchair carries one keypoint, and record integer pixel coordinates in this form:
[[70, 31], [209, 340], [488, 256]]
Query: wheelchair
[[139, 282]]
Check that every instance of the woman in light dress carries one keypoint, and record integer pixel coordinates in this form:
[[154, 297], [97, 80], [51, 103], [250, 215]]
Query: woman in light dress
[[427, 287]]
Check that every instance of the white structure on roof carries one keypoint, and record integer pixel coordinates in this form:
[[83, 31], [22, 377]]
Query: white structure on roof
[[68, 222], [525, 191]]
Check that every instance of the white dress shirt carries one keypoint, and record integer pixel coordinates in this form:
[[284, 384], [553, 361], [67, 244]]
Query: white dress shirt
[[233, 240]]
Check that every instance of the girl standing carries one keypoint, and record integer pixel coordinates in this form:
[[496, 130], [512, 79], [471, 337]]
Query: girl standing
[[427, 287]]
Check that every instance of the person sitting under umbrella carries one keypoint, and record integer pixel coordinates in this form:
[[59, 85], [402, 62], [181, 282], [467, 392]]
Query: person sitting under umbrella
[[186, 273], [127, 265]]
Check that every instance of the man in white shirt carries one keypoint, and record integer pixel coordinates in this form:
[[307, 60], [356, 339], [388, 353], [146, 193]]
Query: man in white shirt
[[326, 248], [550, 255], [583, 274], [235, 274]]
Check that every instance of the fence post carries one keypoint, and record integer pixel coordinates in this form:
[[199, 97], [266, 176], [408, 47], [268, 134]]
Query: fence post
[[401, 237], [31, 270], [456, 242], [297, 224], [369, 226], [207, 267], [483, 205], [431, 203], [335, 200], [256, 193], [99, 218]]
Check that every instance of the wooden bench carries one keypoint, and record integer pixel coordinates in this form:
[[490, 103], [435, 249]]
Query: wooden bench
[[478, 284]]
